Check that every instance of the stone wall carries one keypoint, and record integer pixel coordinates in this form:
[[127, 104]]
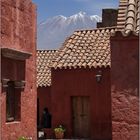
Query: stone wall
[[125, 86]]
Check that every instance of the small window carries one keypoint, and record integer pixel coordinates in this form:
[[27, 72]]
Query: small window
[[13, 102]]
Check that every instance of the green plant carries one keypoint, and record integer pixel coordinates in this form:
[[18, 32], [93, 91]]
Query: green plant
[[59, 128], [22, 138]]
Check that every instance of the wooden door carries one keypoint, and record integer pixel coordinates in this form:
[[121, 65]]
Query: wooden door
[[81, 117]]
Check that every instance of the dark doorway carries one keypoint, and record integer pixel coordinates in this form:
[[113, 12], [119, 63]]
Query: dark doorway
[[38, 120]]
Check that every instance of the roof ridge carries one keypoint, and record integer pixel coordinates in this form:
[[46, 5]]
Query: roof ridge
[[130, 23], [122, 13], [95, 29], [46, 50], [128, 16]]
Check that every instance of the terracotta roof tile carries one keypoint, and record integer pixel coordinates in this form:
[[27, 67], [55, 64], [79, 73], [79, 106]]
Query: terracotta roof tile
[[128, 16], [44, 62], [90, 48]]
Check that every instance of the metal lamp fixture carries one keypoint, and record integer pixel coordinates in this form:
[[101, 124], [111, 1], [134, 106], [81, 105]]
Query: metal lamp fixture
[[99, 76]]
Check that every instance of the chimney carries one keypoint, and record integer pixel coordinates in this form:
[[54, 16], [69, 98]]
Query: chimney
[[109, 18]]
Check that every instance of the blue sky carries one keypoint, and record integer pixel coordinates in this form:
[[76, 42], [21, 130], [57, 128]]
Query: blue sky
[[50, 8]]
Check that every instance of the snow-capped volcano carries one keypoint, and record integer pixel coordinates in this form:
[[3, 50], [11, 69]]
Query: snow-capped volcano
[[53, 32]]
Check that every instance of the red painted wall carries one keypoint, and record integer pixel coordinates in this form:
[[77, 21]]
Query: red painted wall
[[18, 31], [82, 82], [124, 87], [18, 21]]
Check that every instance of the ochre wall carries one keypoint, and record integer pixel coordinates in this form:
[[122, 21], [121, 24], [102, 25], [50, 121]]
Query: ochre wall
[[18, 31], [82, 82], [124, 87]]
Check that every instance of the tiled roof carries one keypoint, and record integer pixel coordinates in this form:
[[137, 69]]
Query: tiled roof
[[44, 62], [85, 48], [129, 16]]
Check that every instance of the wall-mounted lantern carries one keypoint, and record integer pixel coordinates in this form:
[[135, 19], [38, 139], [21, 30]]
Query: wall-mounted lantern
[[99, 76]]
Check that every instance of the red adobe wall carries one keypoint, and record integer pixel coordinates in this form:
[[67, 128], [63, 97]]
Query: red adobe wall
[[81, 82], [18, 21], [124, 86], [44, 96], [18, 31]]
